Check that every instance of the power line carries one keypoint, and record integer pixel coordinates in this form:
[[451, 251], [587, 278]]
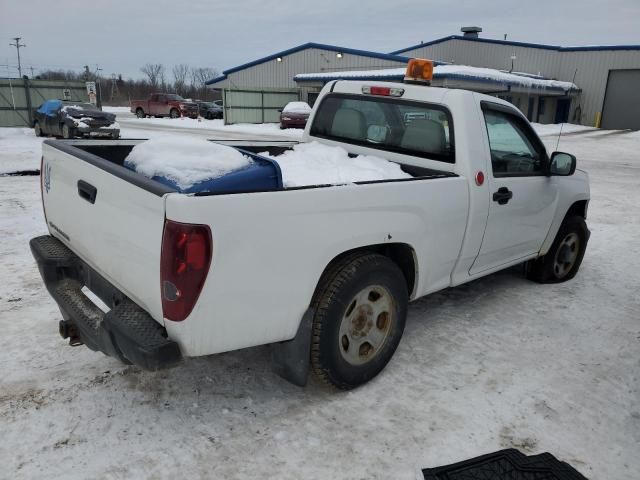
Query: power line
[[18, 45]]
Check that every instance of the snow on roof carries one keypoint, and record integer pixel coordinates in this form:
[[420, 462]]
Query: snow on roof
[[442, 72]]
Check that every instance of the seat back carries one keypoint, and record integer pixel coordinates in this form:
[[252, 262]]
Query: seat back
[[349, 123], [425, 136]]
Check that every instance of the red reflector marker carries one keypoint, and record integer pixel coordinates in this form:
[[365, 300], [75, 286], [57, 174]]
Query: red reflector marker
[[479, 178], [184, 265]]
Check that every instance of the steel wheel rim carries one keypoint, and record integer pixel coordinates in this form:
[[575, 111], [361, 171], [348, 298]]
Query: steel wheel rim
[[566, 255], [366, 325]]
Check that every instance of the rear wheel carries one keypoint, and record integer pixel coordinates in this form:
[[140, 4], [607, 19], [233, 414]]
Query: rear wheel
[[562, 261], [67, 131], [37, 129], [140, 113], [174, 113], [361, 307]]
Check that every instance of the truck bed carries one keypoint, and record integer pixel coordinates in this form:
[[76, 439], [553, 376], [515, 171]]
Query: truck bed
[[111, 156]]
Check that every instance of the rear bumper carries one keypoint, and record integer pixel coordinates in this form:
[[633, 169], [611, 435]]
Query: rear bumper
[[125, 332]]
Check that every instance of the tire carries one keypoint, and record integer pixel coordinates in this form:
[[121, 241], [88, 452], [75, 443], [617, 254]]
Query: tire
[[562, 261], [67, 132], [354, 335], [38, 131], [140, 113], [174, 113], [115, 136], [209, 116]]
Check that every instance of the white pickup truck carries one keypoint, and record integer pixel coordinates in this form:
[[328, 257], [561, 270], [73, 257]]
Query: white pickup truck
[[324, 272]]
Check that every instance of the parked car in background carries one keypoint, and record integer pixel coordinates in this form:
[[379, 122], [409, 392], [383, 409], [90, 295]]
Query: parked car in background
[[209, 110], [295, 115], [74, 119], [164, 105]]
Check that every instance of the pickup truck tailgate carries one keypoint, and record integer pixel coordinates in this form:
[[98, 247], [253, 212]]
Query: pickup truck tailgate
[[112, 224]]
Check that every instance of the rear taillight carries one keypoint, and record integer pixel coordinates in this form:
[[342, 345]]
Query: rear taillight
[[184, 264]]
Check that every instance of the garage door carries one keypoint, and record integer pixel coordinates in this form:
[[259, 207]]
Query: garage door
[[255, 105], [622, 100]]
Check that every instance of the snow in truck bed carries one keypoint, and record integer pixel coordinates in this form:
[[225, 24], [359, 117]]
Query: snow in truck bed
[[188, 161]]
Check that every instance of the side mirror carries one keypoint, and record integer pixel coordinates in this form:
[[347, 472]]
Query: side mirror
[[562, 164], [279, 110]]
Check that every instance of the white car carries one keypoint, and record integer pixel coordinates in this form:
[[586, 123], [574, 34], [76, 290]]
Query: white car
[[323, 272]]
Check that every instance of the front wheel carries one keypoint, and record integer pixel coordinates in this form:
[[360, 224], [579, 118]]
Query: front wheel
[[67, 132], [361, 307], [562, 261], [174, 113]]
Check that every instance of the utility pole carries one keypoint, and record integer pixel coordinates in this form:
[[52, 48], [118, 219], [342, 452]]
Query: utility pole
[[98, 86], [115, 92], [18, 45]]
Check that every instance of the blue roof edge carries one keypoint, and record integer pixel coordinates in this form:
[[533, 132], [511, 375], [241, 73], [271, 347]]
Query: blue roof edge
[[305, 46], [519, 44]]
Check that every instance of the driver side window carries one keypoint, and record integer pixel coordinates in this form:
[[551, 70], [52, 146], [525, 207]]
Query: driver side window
[[513, 151]]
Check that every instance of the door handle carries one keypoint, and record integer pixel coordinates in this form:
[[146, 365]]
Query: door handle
[[502, 196], [87, 191]]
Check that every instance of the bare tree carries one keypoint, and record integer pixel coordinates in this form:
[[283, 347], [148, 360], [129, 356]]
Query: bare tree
[[155, 72], [199, 76], [180, 73]]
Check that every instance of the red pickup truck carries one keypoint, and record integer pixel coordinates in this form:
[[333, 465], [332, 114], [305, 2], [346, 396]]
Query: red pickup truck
[[164, 105]]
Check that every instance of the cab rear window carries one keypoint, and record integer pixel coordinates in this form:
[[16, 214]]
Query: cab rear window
[[390, 124]]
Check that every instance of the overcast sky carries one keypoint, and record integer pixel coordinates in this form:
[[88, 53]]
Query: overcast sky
[[121, 36]]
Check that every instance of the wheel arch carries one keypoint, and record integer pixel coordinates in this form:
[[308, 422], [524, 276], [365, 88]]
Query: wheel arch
[[578, 208], [402, 254]]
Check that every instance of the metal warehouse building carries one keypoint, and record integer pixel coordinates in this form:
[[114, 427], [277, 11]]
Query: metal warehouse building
[[606, 78], [254, 92]]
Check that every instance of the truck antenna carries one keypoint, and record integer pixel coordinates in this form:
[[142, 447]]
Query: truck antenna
[[573, 80]]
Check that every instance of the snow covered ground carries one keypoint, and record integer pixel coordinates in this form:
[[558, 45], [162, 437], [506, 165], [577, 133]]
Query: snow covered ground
[[501, 362]]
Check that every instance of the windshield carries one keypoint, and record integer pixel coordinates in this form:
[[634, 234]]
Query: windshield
[[385, 123]]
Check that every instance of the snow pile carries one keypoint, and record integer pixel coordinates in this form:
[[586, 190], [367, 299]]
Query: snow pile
[[184, 160], [297, 107], [317, 164], [116, 110], [20, 150]]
